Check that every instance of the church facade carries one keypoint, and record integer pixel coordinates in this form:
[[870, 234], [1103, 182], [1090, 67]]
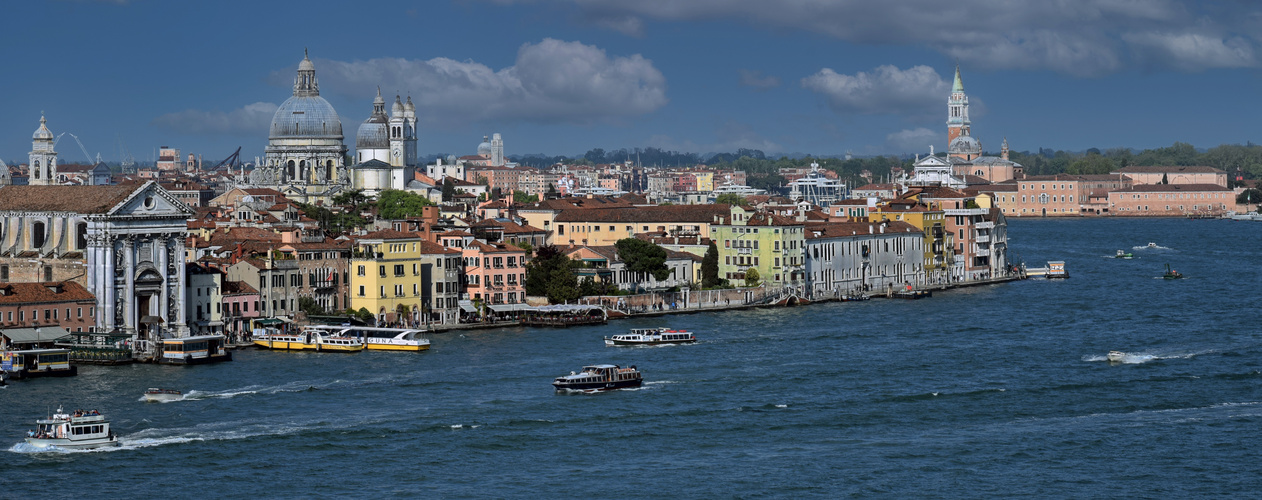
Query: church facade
[[124, 243], [385, 148]]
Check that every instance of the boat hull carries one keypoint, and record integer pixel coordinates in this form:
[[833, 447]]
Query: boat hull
[[281, 345], [24, 374], [396, 347], [226, 356], [158, 398], [612, 342], [66, 444], [598, 386]]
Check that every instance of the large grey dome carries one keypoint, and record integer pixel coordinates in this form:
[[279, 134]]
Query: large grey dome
[[964, 144], [306, 117]]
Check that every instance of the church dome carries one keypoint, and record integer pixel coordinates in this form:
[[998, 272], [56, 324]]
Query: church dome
[[484, 149], [964, 144], [303, 117], [374, 133], [306, 115], [42, 133]]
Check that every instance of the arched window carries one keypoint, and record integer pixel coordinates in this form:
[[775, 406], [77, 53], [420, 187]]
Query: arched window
[[37, 235], [37, 169], [289, 169], [81, 235]]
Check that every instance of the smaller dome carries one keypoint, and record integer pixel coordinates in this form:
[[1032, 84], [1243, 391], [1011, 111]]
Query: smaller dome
[[484, 149], [964, 144], [305, 65], [407, 106], [397, 109], [42, 133]]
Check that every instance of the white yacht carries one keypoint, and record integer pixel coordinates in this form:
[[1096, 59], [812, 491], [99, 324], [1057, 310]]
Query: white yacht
[[80, 430]]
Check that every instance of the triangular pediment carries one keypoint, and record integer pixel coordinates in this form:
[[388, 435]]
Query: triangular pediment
[[152, 200]]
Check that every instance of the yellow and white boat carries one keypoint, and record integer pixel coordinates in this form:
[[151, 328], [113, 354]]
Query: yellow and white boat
[[307, 341], [375, 338]]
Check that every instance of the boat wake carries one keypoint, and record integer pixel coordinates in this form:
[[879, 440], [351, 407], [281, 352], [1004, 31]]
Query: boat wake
[[1135, 358], [1149, 246]]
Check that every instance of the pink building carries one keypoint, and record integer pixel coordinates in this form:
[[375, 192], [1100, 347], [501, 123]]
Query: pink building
[[240, 306], [495, 273]]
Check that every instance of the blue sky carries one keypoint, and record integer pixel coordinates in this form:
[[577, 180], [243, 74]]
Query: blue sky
[[563, 76]]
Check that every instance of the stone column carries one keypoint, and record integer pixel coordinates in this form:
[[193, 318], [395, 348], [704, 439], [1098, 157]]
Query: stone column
[[105, 299], [163, 299], [130, 321]]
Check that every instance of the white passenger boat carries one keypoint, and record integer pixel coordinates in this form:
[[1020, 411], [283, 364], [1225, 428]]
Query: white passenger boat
[[78, 431], [1116, 356], [651, 336], [157, 395], [376, 338], [599, 378], [307, 341]]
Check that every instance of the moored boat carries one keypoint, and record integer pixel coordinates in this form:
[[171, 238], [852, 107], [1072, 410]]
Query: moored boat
[[599, 378], [376, 338], [307, 341], [78, 431], [157, 395], [651, 336], [195, 350], [32, 363]]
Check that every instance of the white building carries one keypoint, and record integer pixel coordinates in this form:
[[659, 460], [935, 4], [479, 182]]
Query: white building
[[853, 256], [385, 147], [203, 302]]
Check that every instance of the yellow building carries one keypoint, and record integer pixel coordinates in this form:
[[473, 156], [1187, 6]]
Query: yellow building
[[605, 226], [930, 219], [705, 181], [403, 279]]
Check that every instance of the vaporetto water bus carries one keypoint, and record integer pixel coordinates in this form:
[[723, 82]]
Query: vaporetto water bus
[[651, 336], [31, 363], [376, 338], [195, 350], [599, 378], [77, 431], [307, 341]]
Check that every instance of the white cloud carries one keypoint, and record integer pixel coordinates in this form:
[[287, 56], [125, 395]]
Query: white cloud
[[917, 140], [1192, 52], [552, 81], [251, 119], [1077, 37], [886, 89], [755, 79]]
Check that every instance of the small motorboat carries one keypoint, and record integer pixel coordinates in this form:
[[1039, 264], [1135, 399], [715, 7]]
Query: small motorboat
[[1123, 255], [1116, 356], [599, 378], [1172, 274], [1152, 245], [156, 395], [82, 430], [651, 336]]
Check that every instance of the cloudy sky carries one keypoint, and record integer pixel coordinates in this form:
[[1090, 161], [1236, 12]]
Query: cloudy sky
[[563, 76]]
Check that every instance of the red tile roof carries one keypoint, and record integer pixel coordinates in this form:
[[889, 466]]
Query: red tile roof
[[77, 199], [41, 293]]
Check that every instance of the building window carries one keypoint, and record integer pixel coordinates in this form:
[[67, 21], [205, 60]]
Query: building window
[[37, 234], [4, 274]]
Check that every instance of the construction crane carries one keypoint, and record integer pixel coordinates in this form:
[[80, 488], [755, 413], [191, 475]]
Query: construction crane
[[232, 161], [125, 157], [85, 150]]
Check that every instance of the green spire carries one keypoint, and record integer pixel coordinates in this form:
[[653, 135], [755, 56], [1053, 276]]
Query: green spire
[[958, 86]]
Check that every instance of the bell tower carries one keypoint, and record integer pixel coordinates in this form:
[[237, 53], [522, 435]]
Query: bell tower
[[43, 160], [957, 109]]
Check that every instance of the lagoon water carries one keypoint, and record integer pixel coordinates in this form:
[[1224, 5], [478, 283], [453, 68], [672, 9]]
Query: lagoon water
[[999, 391]]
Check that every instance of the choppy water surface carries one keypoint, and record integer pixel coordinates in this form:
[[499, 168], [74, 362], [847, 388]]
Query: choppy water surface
[[998, 390]]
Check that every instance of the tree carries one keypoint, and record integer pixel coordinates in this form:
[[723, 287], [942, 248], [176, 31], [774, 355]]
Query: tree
[[396, 204], [365, 315], [730, 199], [449, 189], [710, 267], [353, 199], [643, 257], [310, 306], [551, 274], [522, 197], [751, 277]]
